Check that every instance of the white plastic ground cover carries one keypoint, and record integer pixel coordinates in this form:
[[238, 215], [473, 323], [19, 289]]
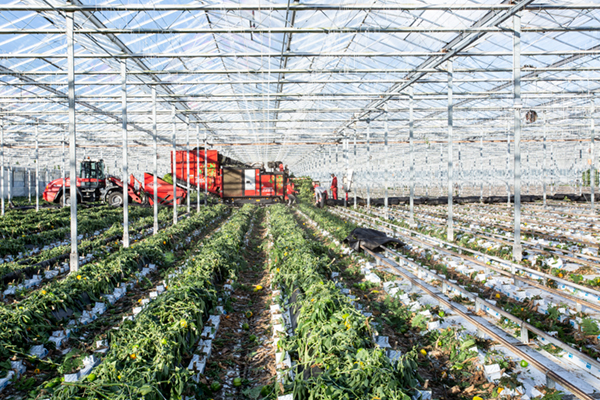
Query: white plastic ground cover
[[567, 356], [585, 381], [573, 251], [60, 336], [570, 289], [506, 288]]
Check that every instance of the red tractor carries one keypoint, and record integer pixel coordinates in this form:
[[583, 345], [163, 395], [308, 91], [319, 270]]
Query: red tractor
[[94, 185]]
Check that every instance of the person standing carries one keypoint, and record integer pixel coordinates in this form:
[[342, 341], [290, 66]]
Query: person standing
[[334, 187]]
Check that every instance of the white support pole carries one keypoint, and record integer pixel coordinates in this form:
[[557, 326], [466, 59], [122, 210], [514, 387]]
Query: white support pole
[[155, 171], [10, 178], [205, 169], [125, 153], [2, 166], [187, 154], [481, 169], [197, 168], [411, 132], [369, 177], [354, 190], [592, 164], [386, 157], [450, 233], [174, 166], [347, 159], [37, 170], [544, 160], [63, 171], [517, 249], [29, 182], [74, 257]]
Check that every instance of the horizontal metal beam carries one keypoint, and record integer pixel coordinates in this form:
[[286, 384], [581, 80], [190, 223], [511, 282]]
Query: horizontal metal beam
[[300, 81], [262, 97], [342, 110], [298, 54], [301, 71], [292, 30], [296, 143], [292, 7]]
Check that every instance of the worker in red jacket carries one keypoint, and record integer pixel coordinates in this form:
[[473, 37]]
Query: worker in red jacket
[[290, 194], [334, 187]]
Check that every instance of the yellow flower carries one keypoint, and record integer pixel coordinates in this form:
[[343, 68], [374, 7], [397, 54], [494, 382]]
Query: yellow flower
[[43, 292], [500, 390], [312, 299], [119, 377], [165, 242], [79, 277], [497, 295], [183, 323], [424, 352], [132, 356], [277, 269], [477, 398], [285, 254]]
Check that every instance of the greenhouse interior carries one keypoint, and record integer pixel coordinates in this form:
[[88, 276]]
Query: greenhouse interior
[[377, 200]]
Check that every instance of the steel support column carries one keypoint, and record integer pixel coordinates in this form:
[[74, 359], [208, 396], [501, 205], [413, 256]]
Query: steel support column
[[2, 167], [37, 170], [74, 257], [205, 168], [125, 153], [544, 160], [411, 132], [368, 182], [592, 163], [63, 171], [385, 157], [354, 190], [174, 165], [187, 149], [517, 249], [155, 171], [197, 168], [450, 233]]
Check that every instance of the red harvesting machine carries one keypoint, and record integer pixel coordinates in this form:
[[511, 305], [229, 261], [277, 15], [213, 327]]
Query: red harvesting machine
[[229, 179]]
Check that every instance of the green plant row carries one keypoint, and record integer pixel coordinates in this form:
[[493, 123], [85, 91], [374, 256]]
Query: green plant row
[[335, 225], [15, 217], [146, 355], [452, 349], [332, 346], [89, 245], [93, 221], [34, 222], [30, 322]]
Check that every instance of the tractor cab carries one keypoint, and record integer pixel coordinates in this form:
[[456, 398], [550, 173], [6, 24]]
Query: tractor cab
[[91, 174]]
